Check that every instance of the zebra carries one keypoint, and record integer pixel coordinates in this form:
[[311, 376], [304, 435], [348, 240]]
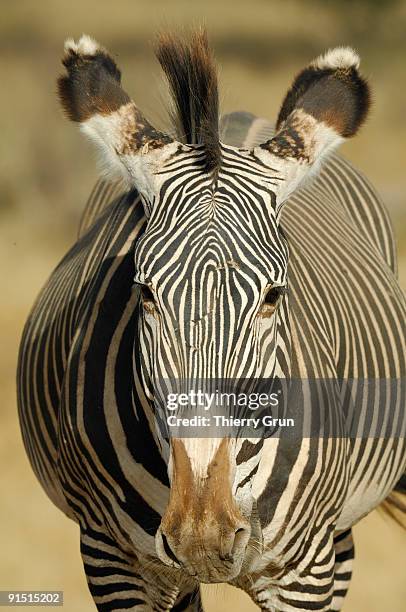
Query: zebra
[[235, 251]]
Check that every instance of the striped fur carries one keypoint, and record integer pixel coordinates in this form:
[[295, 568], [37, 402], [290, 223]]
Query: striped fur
[[91, 359]]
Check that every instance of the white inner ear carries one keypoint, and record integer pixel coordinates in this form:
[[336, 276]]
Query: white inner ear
[[319, 141], [103, 131], [112, 136]]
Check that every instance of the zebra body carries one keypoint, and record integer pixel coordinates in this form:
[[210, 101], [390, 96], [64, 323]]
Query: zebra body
[[85, 400]]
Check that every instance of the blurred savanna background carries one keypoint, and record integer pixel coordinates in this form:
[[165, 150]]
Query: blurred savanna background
[[47, 171]]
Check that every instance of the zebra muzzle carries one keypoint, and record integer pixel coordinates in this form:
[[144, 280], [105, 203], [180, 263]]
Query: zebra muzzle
[[209, 553], [203, 530]]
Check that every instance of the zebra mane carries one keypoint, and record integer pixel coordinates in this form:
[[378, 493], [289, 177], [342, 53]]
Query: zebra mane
[[192, 77]]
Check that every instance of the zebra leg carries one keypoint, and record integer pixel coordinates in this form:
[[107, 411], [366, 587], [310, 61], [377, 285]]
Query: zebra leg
[[344, 558], [307, 583], [295, 591], [118, 582]]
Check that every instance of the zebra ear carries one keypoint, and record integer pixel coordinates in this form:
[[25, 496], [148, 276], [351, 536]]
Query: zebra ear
[[327, 103], [91, 95]]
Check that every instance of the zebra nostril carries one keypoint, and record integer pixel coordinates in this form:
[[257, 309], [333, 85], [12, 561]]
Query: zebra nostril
[[240, 535], [226, 557], [168, 550]]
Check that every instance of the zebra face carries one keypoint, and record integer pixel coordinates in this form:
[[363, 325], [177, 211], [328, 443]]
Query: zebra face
[[212, 272], [212, 269], [212, 264]]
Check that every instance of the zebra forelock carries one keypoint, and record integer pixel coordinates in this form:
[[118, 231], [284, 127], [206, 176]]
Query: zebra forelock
[[192, 77]]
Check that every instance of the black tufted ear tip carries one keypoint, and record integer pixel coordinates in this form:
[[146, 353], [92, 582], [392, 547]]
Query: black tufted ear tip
[[92, 83]]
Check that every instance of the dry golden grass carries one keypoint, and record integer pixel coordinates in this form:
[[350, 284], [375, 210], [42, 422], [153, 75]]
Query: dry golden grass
[[46, 175]]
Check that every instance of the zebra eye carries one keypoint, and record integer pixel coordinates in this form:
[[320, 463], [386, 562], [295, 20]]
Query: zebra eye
[[273, 294], [146, 294]]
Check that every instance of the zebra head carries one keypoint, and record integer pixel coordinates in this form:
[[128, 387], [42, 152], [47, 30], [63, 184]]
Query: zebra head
[[212, 264]]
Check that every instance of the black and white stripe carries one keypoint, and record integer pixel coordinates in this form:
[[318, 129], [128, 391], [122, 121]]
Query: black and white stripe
[[93, 354]]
